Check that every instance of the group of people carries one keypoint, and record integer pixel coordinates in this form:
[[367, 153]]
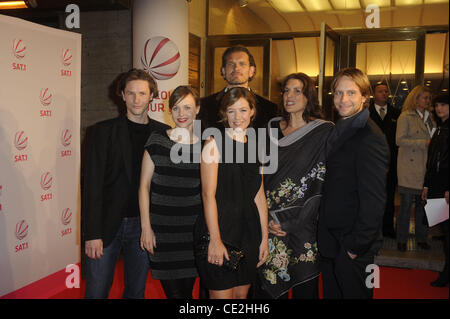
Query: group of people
[[216, 214]]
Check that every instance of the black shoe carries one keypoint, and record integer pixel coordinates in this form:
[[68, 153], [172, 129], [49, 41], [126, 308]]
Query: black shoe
[[423, 246], [401, 246], [440, 282]]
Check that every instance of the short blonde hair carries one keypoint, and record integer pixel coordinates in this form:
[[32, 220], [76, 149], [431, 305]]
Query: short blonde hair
[[361, 80], [411, 100]]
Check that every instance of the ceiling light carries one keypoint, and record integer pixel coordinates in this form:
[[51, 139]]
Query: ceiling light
[[317, 5], [435, 1], [380, 3], [17, 4], [243, 3], [407, 2], [287, 6], [347, 4]]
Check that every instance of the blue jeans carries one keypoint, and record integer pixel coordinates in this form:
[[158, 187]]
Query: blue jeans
[[100, 272], [404, 215]]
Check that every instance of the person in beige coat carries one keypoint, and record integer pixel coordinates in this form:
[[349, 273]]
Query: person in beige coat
[[415, 126]]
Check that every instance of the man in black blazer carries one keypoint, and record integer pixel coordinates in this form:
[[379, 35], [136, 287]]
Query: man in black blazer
[[111, 219], [354, 197], [238, 69], [385, 116]]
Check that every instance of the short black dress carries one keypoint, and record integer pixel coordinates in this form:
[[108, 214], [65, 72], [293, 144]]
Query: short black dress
[[239, 224], [175, 204]]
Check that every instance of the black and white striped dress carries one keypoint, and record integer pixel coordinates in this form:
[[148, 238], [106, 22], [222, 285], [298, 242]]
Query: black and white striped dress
[[175, 203]]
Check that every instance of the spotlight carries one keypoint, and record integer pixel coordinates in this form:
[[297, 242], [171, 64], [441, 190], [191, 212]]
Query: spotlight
[[18, 4], [243, 3]]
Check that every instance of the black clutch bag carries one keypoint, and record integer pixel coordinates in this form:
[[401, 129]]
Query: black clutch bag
[[236, 254]]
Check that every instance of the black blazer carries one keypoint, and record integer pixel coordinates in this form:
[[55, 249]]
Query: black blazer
[[209, 111], [388, 126], [107, 178], [354, 195]]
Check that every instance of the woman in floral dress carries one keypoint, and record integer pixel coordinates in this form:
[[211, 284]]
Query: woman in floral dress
[[293, 193]]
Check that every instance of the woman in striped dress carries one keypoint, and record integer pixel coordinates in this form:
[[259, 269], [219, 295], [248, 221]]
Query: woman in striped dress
[[169, 197]]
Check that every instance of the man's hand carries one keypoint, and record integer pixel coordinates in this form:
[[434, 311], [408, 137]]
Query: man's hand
[[94, 248]]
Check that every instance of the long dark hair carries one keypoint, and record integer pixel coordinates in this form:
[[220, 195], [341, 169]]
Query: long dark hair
[[312, 110]]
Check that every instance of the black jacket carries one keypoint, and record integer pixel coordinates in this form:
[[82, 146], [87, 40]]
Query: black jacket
[[436, 177], [388, 126], [209, 111], [354, 194], [107, 178]]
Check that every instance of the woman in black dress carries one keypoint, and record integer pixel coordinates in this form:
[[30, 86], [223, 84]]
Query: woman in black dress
[[234, 204], [436, 177], [170, 188]]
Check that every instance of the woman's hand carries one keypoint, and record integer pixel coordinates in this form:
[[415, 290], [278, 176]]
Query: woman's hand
[[148, 240], [275, 229], [263, 252], [216, 252], [424, 194]]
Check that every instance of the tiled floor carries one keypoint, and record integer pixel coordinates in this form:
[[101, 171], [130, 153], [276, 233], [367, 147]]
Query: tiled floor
[[414, 257]]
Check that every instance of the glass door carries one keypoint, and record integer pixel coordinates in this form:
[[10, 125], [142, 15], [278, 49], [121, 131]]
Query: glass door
[[329, 57]]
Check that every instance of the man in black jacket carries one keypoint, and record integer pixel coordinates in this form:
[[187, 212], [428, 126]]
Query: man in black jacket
[[385, 116], [354, 196], [111, 219], [238, 69]]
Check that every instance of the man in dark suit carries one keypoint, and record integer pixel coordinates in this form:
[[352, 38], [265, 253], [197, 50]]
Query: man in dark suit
[[354, 194], [385, 116], [238, 69], [111, 219]]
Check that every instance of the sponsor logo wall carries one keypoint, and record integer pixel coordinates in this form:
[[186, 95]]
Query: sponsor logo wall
[[40, 71]]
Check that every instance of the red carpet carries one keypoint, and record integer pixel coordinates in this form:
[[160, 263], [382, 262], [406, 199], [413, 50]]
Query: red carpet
[[395, 283]]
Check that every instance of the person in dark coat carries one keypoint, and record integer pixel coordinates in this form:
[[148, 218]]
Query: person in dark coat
[[110, 213], [385, 116], [238, 69], [436, 177], [354, 196]]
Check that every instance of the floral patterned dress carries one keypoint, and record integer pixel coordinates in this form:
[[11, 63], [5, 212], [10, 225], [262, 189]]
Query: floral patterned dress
[[293, 195]]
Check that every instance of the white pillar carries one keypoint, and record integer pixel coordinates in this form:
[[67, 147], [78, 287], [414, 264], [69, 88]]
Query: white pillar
[[161, 47]]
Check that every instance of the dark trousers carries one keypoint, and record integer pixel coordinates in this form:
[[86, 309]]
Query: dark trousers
[[178, 288], [100, 272], [388, 217], [345, 278]]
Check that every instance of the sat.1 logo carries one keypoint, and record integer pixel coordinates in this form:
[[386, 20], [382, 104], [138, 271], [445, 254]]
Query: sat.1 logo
[[45, 97], [21, 233], [18, 50], [66, 61], [46, 184], [20, 143], [161, 58], [66, 217], [66, 139]]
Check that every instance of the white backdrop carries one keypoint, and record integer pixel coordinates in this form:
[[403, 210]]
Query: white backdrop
[[40, 71], [161, 46]]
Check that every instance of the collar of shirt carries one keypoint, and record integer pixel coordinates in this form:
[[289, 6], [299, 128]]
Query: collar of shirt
[[423, 116]]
